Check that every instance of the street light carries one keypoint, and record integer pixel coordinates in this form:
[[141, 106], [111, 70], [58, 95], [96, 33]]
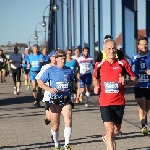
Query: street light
[[36, 33], [54, 8]]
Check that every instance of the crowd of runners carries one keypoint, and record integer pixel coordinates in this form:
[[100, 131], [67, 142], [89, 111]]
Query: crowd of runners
[[67, 80]]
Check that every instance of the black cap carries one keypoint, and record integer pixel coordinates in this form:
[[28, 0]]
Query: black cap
[[108, 37]]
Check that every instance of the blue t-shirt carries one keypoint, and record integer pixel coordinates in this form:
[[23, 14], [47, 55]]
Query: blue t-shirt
[[71, 64], [25, 60], [142, 63], [59, 78], [46, 59], [34, 60]]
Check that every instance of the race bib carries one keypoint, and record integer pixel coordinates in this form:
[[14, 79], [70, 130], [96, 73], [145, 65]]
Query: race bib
[[143, 78], [84, 69], [1, 59], [35, 63], [111, 87], [62, 85]]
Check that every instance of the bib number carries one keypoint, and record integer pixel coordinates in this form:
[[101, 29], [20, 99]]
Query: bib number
[[143, 78], [35, 63], [111, 87], [1, 60]]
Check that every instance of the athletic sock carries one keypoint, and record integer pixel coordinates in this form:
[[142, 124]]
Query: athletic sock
[[67, 135], [55, 137]]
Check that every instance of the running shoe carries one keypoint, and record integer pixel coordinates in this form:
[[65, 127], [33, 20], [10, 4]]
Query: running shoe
[[144, 131], [81, 98], [4, 80], [68, 147], [119, 134], [1, 81], [28, 87], [104, 138], [57, 148], [38, 104], [86, 104], [18, 93], [47, 122]]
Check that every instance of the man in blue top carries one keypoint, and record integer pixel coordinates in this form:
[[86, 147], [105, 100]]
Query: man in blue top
[[25, 68], [61, 85], [35, 61], [142, 89], [46, 59]]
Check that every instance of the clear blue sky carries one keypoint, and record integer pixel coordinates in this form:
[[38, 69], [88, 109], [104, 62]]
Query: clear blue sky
[[19, 19]]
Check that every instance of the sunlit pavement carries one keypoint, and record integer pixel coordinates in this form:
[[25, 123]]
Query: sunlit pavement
[[22, 126]]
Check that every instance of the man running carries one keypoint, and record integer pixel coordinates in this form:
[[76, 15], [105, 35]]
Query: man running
[[35, 63], [26, 69], [45, 56], [142, 89], [3, 60], [111, 88], [85, 63], [16, 59], [61, 85], [76, 56], [46, 93], [74, 65]]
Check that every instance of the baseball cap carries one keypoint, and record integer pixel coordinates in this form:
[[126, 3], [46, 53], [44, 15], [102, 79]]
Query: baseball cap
[[108, 37], [53, 53]]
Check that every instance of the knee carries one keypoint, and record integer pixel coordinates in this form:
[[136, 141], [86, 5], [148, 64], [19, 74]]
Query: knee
[[55, 127]]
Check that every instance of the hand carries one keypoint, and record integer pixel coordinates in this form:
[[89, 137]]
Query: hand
[[148, 72], [121, 79], [78, 75], [41, 60], [53, 90], [96, 89], [132, 81]]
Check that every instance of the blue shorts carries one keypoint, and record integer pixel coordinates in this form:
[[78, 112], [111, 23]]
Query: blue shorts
[[33, 75], [85, 79]]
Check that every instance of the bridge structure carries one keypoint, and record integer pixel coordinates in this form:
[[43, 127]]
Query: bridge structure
[[85, 22]]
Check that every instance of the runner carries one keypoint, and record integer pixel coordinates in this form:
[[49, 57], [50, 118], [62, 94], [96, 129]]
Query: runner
[[111, 88], [15, 59], [46, 59], [76, 56], [85, 63], [61, 83], [34, 61], [142, 89], [74, 65], [46, 93], [26, 69], [3, 60]]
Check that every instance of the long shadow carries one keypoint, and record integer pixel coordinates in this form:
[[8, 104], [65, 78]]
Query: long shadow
[[147, 148], [35, 145], [16, 100]]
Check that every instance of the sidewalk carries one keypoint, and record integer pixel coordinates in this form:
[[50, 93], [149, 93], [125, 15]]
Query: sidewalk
[[22, 127]]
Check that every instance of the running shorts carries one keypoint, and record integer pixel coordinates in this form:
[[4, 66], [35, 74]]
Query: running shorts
[[112, 113], [142, 92], [85, 79]]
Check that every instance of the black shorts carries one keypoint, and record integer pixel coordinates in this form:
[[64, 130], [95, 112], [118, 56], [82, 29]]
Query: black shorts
[[57, 108], [142, 92], [112, 113], [2, 67], [46, 105], [26, 71]]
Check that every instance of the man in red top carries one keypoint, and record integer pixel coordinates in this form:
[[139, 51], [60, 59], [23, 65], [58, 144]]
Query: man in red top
[[111, 88]]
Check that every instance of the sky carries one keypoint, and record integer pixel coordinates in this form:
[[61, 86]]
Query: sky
[[19, 19]]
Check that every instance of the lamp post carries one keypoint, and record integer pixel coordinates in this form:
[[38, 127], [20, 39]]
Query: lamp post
[[36, 33], [54, 8]]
